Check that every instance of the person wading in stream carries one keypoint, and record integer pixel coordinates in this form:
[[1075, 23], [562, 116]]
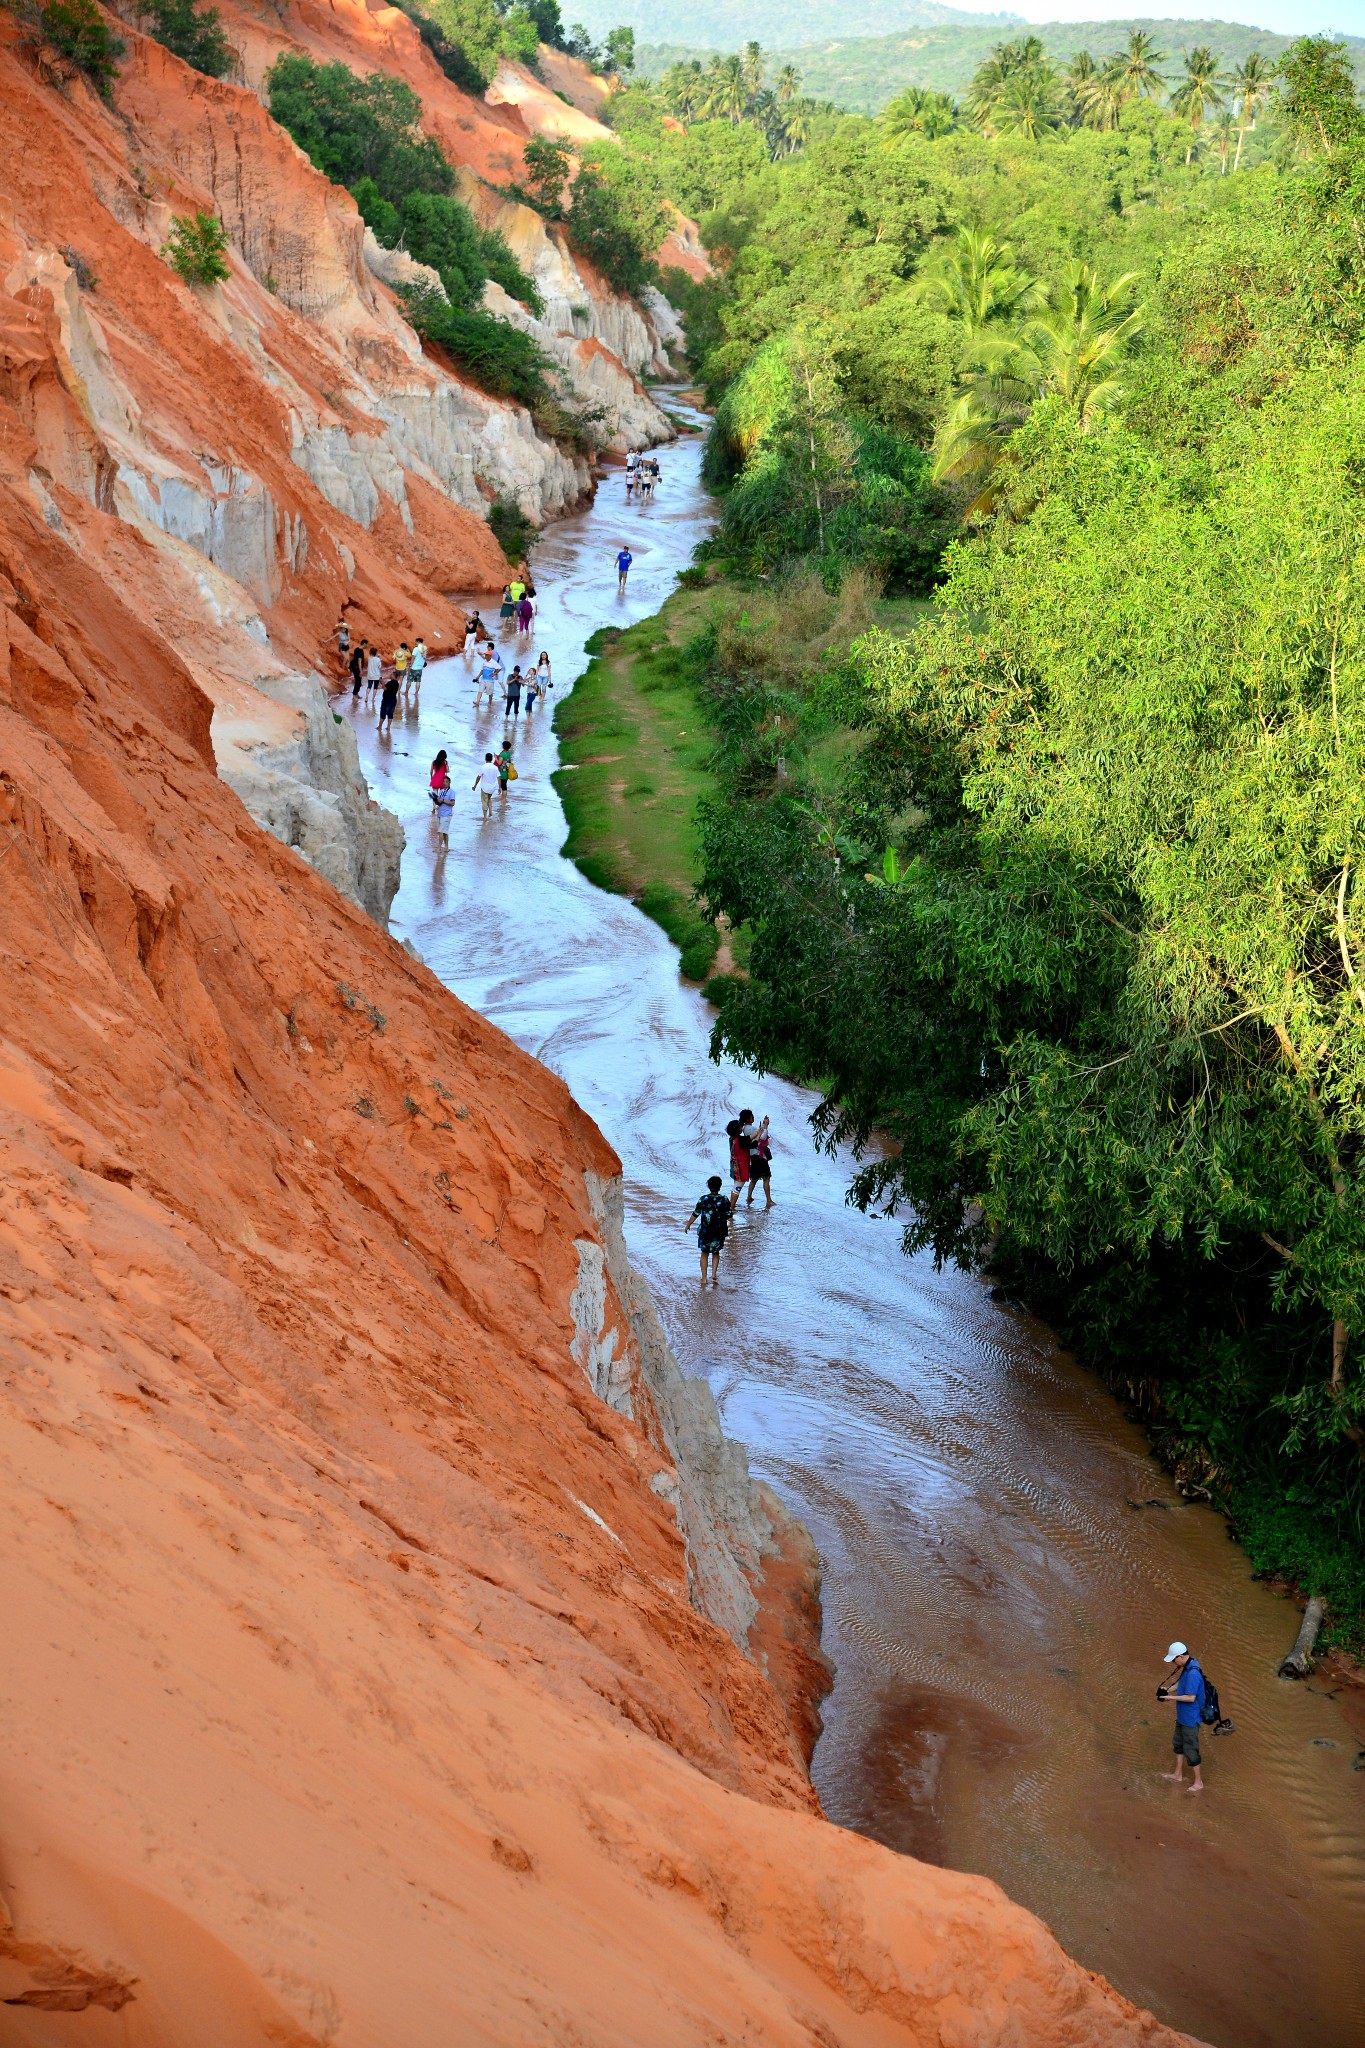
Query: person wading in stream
[[358, 654], [760, 1157], [740, 1144], [486, 782], [623, 561], [712, 1216], [388, 703], [1186, 1687]]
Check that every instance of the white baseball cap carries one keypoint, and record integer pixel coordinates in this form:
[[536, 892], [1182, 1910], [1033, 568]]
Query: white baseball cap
[[1176, 1650]]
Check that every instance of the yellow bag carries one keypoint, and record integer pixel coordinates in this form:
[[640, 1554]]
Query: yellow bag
[[512, 771]]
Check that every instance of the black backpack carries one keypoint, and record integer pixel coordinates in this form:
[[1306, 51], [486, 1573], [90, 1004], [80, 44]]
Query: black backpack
[[1211, 1714]]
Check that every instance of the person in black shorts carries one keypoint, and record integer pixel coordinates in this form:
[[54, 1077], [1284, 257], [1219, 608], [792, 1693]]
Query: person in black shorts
[[759, 1156], [357, 665], [712, 1215]]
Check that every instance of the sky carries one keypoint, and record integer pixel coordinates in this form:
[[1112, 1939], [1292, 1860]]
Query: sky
[[1289, 17]]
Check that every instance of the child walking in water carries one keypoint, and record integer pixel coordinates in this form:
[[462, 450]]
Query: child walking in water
[[712, 1215]]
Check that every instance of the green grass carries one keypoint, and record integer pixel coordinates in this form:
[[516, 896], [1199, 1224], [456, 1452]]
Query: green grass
[[635, 748]]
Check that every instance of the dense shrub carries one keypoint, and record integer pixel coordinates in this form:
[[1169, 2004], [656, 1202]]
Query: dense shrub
[[71, 37], [195, 247], [355, 128], [192, 33], [500, 358], [617, 216]]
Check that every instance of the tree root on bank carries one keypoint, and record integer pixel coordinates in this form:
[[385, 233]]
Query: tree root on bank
[[1299, 1662]]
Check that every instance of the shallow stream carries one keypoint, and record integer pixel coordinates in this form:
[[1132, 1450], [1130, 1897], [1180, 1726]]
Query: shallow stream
[[996, 1607]]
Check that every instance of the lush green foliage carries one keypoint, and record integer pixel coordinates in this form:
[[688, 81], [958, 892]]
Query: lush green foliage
[[192, 33], [1063, 890], [617, 217], [500, 358], [356, 128], [195, 249], [71, 38], [367, 132]]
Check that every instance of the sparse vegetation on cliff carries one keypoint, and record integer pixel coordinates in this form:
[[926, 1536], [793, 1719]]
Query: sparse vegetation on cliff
[[192, 33], [69, 39], [196, 247]]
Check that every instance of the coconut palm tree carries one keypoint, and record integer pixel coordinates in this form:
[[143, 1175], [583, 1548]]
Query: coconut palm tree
[[796, 126], [1199, 92], [1100, 97], [1028, 104], [788, 85], [753, 68], [682, 89], [1080, 341], [1224, 135], [727, 95], [1251, 87], [975, 280], [1135, 67], [1073, 349], [920, 111], [1026, 53], [1076, 76]]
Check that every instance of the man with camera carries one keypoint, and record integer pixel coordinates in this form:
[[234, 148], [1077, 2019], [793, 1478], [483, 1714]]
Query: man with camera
[[1185, 1687]]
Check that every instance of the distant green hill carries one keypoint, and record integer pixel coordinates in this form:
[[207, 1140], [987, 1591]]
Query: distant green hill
[[709, 24], [862, 72]]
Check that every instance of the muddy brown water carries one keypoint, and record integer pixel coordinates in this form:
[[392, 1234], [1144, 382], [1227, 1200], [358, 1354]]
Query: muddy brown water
[[995, 1608]]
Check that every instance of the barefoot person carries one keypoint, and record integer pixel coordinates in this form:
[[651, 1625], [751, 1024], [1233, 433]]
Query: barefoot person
[[486, 783], [624, 559], [760, 1156], [712, 1216], [1186, 1687], [739, 1159]]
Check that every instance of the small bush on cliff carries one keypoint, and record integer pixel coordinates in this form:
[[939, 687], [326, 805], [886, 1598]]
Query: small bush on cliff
[[617, 217], [193, 34], [505, 270], [69, 37], [500, 358], [355, 128], [451, 57], [513, 531], [440, 231], [194, 249]]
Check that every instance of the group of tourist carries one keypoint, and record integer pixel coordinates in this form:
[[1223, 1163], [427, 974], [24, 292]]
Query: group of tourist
[[518, 608], [751, 1154], [400, 676], [642, 476]]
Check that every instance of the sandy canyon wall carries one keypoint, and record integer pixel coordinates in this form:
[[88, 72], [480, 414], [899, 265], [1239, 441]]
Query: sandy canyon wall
[[255, 459]]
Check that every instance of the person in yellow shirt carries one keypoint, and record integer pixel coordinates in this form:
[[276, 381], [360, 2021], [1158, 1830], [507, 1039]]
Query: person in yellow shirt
[[401, 662]]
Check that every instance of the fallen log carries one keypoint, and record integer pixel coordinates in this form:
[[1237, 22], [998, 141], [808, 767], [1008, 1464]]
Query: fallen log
[[1299, 1662]]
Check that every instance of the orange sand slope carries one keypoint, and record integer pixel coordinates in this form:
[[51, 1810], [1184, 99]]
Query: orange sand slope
[[353, 1692]]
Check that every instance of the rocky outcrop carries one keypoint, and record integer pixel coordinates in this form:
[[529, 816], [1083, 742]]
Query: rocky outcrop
[[345, 1470], [306, 786]]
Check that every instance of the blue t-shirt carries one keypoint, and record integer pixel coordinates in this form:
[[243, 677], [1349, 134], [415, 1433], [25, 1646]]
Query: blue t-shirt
[[624, 560], [1187, 1712]]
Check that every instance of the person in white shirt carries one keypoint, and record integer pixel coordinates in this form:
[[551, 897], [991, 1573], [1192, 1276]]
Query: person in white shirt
[[488, 675], [374, 672], [486, 782]]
